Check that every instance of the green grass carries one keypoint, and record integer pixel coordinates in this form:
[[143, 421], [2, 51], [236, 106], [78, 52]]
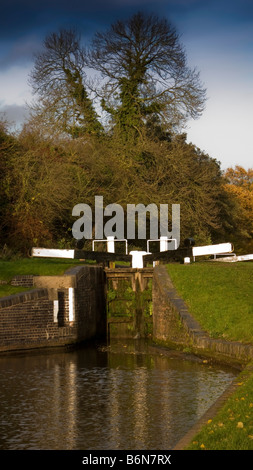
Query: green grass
[[6, 290], [35, 266], [232, 427], [219, 296]]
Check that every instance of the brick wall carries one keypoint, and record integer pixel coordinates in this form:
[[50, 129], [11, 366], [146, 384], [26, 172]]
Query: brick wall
[[90, 305], [41, 317], [25, 280]]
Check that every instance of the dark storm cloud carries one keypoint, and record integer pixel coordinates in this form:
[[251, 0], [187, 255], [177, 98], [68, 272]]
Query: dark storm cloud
[[19, 52], [24, 24], [19, 17]]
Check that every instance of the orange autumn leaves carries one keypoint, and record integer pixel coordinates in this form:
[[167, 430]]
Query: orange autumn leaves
[[239, 186]]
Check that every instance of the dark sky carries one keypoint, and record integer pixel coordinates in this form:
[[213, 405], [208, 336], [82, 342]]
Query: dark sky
[[217, 35]]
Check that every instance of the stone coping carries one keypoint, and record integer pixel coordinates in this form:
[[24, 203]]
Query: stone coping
[[55, 282], [34, 294], [65, 281]]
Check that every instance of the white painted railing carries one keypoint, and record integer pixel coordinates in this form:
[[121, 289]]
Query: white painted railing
[[164, 243]]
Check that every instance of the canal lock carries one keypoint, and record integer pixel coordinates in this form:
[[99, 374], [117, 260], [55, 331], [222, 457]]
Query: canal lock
[[129, 303]]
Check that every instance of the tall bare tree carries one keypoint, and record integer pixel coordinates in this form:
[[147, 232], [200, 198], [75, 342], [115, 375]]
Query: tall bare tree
[[145, 74]]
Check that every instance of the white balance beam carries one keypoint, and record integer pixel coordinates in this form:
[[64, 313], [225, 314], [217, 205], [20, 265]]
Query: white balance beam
[[221, 248], [52, 253]]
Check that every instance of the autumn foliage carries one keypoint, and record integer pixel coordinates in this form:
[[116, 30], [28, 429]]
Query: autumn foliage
[[238, 185]]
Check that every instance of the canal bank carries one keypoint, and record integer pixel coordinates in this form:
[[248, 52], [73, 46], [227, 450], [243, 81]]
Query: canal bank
[[174, 326], [221, 427], [227, 425]]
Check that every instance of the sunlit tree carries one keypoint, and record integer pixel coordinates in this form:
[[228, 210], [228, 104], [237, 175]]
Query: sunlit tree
[[239, 186]]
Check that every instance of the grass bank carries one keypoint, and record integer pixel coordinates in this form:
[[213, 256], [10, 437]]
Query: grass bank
[[34, 266], [232, 427], [220, 298]]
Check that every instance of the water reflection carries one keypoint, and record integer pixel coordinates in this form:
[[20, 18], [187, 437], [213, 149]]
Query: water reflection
[[91, 399]]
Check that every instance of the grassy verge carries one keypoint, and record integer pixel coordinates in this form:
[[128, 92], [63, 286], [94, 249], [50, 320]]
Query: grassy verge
[[232, 427], [219, 296], [35, 266]]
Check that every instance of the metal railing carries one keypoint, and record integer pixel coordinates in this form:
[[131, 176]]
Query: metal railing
[[110, 243], [163, 243]]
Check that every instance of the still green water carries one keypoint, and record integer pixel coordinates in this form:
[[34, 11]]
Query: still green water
[[119, 397]]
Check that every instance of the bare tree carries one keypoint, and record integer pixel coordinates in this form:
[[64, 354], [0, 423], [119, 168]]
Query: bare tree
[[145, 74], [58, 78]]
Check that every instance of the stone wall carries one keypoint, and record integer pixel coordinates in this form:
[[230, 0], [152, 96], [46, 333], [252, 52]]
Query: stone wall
[[47, 317], [174, 325], [167, 310]]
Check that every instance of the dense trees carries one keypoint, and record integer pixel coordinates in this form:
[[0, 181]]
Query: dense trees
[[66, 155], [8, 147], [48, 179]]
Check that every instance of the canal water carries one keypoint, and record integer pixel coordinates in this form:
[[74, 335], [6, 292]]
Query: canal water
[[124, 396]]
